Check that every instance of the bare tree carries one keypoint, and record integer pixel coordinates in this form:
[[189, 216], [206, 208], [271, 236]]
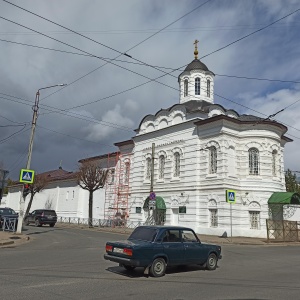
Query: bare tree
[[40, 182], [91, 178]]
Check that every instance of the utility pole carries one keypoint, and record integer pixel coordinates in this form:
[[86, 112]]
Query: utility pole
[[33, 125]]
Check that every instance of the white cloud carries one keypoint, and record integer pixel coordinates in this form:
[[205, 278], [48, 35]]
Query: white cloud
[[271, 53]]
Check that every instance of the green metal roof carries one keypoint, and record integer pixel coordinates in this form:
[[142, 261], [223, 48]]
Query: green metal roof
[[284, 198], [160, 203]]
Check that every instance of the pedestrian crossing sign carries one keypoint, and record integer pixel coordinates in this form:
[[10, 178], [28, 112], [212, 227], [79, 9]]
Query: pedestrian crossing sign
[[230, 196], [26, 176]]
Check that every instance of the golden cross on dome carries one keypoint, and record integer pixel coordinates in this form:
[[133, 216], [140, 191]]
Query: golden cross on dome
[[196, 49]]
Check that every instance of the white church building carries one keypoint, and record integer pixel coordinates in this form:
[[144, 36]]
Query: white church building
[[201, 150], [189, 155]]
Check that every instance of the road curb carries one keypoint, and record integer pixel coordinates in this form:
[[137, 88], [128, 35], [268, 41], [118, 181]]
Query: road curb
[[5, 243]]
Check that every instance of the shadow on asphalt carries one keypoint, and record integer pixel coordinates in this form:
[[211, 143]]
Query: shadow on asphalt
[[44, 231], [139, 272]]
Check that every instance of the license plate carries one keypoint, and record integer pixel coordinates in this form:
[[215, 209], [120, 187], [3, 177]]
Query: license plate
[[118, 250]]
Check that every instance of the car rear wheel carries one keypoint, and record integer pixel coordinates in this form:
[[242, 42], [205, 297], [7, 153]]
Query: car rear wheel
[[52, 224], [26, 222], [212, 261], [37, 223], [158, 267]]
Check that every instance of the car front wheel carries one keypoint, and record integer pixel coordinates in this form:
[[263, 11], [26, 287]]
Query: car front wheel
[[158, 267], [52, 224], [212, 261]]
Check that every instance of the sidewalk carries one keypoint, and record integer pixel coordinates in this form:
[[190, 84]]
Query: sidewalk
[[12, 239]]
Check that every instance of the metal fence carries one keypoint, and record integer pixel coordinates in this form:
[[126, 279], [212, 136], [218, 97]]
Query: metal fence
[[98, 223], [282, 230], [9, 224]]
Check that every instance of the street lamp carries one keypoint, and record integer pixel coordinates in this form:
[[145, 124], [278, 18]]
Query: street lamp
[[33, 125]]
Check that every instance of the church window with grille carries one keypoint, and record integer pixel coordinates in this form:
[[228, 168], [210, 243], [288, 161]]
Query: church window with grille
[[274, 164], [253, 161], [176, 172], [161, 173], [186, 87], [254, 219], [213, 160], [208, 88], [197, 86], [213, 217], [148, 168]]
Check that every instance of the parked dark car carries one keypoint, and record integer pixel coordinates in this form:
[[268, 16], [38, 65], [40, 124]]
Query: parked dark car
[[41, 216], [9, 215], [155, 247]]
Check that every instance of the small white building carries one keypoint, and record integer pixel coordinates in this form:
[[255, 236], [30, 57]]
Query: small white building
[[62, 194]]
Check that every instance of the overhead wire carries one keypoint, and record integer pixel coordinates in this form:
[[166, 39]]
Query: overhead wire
[[260, 29], [15, 133], [120, 53], [222, 47], [160, 67]]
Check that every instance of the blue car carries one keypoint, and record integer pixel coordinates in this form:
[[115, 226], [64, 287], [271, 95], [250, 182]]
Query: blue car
[[156, 247]]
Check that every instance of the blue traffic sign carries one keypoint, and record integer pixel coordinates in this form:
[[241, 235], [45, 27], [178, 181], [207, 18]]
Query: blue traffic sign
[[26, 176], [230, 196]]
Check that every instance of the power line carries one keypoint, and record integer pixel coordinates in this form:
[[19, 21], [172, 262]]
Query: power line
[[152, 66], [77, 138], [121, 53], [150, 30], [101, 43], [137, 63], [259, 79], [145, 39], [260, 29], [10, 136]]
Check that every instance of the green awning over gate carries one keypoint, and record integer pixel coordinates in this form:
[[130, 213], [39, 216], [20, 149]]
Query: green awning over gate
[[160, 203], [284, 198]]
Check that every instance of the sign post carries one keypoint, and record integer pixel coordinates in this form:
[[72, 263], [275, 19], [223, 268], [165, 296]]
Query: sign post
[[230, 198]]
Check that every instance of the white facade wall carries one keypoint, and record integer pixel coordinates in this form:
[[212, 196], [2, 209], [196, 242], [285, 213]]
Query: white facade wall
[[65, 197], [200, 191]]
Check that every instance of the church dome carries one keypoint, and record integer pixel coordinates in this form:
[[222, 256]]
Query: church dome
[[196, 64]]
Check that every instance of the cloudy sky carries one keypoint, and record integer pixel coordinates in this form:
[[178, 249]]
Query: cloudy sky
[[104, 102]]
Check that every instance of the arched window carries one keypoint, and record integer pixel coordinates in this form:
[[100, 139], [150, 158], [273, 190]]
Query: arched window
[[213, 160], [186, 88], [197, 86], [274, 165], [253, 161], [208, 88], [161, 173], [148, 168], [176, 171], [254, 217]]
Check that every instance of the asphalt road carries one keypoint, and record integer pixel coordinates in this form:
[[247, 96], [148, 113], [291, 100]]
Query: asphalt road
[[62, 263]]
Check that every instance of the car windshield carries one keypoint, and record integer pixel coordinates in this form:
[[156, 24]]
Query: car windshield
[[144, 234], [7, 211]]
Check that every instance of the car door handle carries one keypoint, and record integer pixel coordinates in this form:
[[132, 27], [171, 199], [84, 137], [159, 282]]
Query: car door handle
[[166, 246], [186, 246]]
